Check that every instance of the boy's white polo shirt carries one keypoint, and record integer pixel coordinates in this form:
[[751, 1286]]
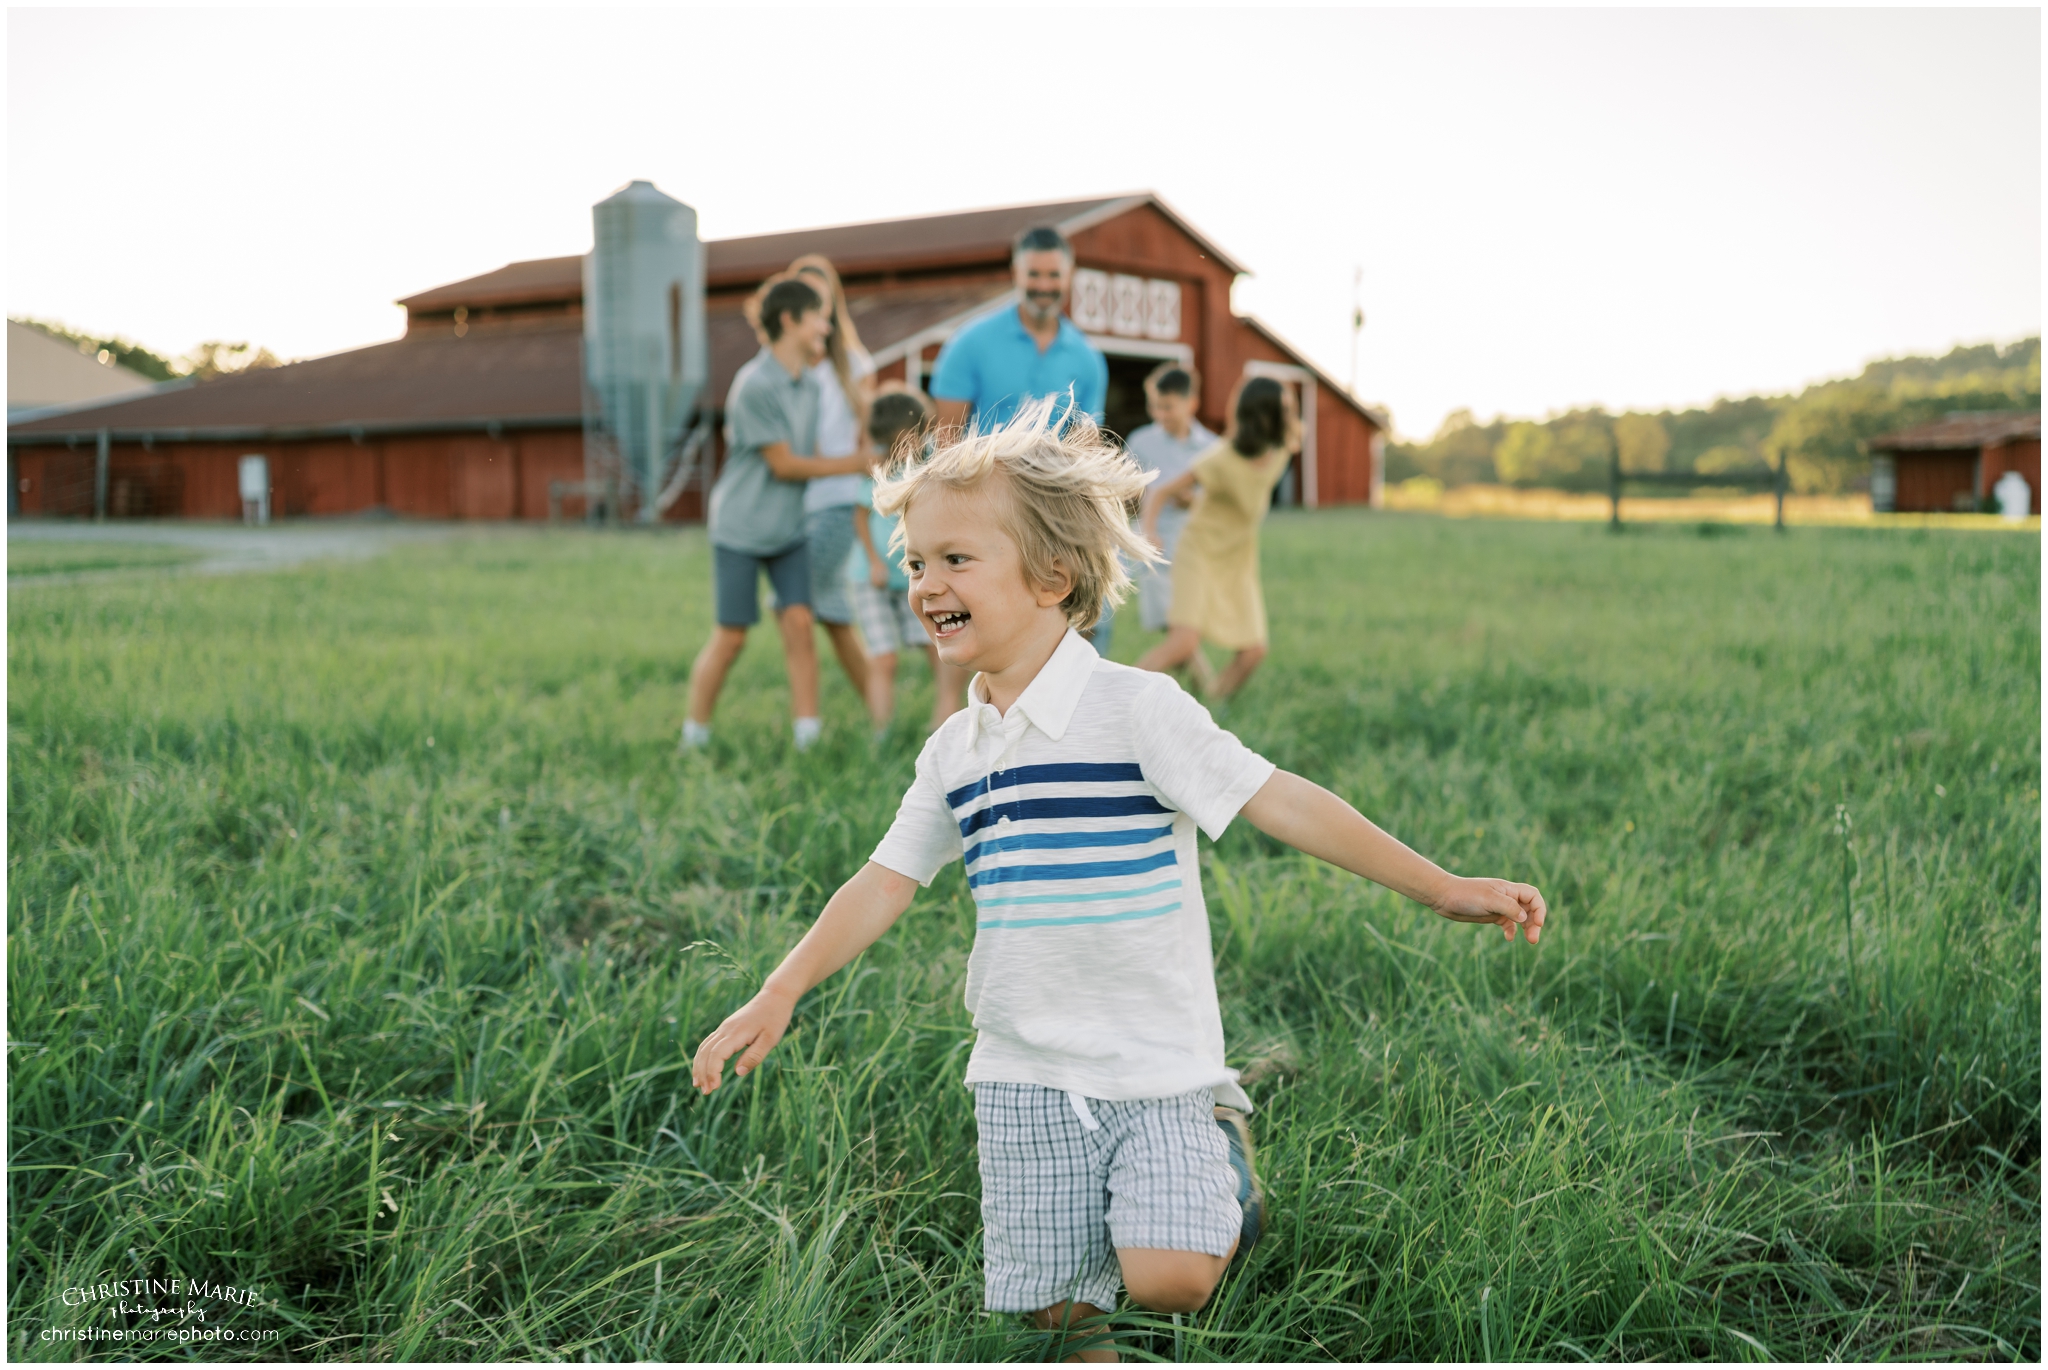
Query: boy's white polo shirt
[[1076, 815]]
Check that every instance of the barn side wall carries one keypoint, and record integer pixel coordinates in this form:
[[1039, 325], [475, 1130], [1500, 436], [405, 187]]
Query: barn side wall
[[434, 476], [1930, 482], [2020, 454], [1346, 453]]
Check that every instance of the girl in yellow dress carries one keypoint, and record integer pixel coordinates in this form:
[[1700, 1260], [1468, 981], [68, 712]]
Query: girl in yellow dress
[[1216, 592]]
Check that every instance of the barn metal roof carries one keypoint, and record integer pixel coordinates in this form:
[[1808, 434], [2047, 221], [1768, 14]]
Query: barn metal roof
[[1964, 430], [519, 374], [923, 242], [512, 376], [545, 280]]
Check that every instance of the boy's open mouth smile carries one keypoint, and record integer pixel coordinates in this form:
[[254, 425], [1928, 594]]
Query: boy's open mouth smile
[[946, 622]]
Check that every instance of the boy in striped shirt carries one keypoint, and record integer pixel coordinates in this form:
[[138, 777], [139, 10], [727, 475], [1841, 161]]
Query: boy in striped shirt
[[1113, 1142]]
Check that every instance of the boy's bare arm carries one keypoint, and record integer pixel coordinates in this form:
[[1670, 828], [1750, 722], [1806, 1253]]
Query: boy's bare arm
[[878, 570], [952, 418], [1157, 496], [1308, 817], [854, 919], [787, 465]]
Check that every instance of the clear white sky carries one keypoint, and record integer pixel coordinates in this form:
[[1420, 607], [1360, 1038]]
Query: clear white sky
[[1628, 207]]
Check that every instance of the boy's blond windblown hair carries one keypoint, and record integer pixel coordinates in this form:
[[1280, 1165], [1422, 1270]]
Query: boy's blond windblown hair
[[1063, 496]]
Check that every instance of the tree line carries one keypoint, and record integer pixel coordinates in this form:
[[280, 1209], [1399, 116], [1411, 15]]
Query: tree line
[[1821, 432], [204, 362]]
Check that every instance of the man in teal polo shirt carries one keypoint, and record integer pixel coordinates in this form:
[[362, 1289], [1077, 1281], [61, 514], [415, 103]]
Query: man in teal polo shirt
[[995, 365], [999, 363]]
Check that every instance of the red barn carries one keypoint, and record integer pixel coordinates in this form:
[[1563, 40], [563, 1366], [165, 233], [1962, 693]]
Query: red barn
[[1952, 463], [478, 409]]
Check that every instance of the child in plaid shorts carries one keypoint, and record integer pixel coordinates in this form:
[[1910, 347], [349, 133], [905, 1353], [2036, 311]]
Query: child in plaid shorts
[[1114, 1146], [900, 420]]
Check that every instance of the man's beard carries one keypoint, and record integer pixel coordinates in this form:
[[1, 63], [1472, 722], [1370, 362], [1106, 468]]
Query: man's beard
[[1043, 303]]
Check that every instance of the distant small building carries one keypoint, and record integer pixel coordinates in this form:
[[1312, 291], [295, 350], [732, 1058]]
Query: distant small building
[[43, 372], [1951, 464], [477, 412]]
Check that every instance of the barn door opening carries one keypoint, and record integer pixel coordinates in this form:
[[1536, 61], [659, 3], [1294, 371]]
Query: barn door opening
[[1124, 413], [1130, 361]]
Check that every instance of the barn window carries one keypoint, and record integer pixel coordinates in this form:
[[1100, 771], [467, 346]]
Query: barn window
[[1091, 300], [1162, 310], [1127, 306]]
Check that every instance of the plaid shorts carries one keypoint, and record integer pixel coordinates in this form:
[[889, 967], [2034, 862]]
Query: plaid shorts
[[887, 622], [1059, 1196]]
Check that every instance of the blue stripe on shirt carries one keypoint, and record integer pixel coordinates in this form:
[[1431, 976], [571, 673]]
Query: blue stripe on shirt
[[1079, 772], [1121, 837], [1061, 806], [1080, 870], [1160, 888], [1130, 917]]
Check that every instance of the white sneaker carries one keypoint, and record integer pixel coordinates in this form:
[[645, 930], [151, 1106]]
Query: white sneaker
[[807, 732], [695, 735]]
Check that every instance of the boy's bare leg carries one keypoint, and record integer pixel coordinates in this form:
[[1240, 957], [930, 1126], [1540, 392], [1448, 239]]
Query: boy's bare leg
[[881, 688], [1180, 644], [949, 690], [853, 659], [1162, 1281], [1239, 670], [1066, 1315], [1171, 1281], [708, 671], [800, 652]]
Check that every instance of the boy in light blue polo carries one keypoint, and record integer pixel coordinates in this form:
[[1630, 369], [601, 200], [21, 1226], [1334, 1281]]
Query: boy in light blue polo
[[1168, 445]]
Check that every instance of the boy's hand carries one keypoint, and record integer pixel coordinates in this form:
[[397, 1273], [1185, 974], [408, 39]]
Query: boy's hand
[[862, 910], [1501, 902], [878, 573], [752, 1030]]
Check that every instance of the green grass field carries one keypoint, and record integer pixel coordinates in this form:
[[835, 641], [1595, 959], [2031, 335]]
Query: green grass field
[[39, 558], [362, 918]]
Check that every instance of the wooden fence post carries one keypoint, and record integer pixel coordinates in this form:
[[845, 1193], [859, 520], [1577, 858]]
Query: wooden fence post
[[1614, 485], [102, 454]]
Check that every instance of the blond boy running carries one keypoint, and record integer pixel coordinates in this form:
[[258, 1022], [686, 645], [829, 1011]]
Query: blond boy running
[[1112, 1137]]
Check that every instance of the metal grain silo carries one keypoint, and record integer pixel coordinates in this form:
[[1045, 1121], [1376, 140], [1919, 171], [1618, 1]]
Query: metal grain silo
[[644, 354]]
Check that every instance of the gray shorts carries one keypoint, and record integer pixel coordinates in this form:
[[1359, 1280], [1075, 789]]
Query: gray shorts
[[736, 582], [886, 620], [1058, 1197], [1155, 583], [829, 533]]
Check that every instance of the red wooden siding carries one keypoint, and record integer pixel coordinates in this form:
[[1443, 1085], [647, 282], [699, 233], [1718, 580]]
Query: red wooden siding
[[436, 476], [2020, 454], [1930, 482], [1945, 482]]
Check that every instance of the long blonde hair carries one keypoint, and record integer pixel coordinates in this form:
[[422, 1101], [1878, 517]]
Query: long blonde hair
[[844, 344]]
